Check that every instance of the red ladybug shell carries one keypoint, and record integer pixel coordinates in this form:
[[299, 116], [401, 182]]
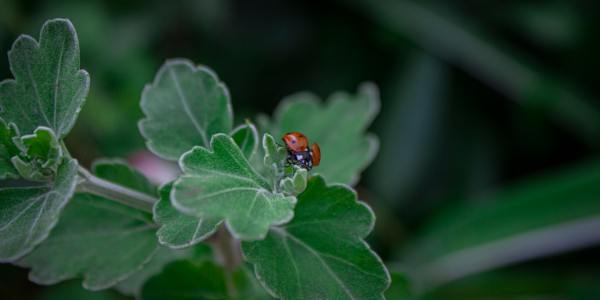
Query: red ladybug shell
[[295, 141], [315, 152]]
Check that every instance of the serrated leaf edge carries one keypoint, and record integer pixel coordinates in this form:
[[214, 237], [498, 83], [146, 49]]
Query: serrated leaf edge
[[187, 211], [361, 239], [368, 89], [168, 64], [254, 133], [14, 259], [193, 241], [85, 75]]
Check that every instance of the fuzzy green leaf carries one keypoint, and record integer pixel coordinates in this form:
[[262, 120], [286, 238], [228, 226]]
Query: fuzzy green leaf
[[8, 149], [273, 162], [41, 155], [274, 153], [27, 214], [246, 137], [90, 230], [73, 291], [49, 88], [220, 184], [184, 107], [119, 171], [179, 230], [338, 126], [297, 183], [321, 253], [201, 281], [133, 284]]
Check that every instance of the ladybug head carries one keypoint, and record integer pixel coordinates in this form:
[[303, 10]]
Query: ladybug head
[[295, 141]]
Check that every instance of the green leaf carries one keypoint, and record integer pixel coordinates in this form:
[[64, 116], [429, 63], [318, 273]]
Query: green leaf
[[133, 284], [220, 184], [246, 137], [41, 155], [178, 230], [297, 183], [338, 126], [119, 171], [97, 239], [8, 149], [321, 254], [274, 159], [184, 107], [27, 214], [202, 281], [545, 216], [49, 89], [274, 153], [73, 291]]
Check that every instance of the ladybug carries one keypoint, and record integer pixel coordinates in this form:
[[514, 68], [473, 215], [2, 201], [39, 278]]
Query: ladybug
[[299, 154]]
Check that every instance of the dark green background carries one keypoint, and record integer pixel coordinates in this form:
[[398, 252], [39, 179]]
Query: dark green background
[[476, 96]]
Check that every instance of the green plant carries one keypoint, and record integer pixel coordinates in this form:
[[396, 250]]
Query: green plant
[[303, 234]]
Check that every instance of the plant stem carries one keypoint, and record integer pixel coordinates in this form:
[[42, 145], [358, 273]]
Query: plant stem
[[124, 195], [227, 251]]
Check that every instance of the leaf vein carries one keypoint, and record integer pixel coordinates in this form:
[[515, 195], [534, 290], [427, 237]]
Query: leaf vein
[[17, 216], [36, 92], [37, 218], [324, 263], [58, 68], [186, 108], [296, 272]]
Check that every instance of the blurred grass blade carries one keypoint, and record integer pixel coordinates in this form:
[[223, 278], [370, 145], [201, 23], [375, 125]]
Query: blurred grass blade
[[551, 215], [525, 246], [557, 282], [410, 126], [502, 70]]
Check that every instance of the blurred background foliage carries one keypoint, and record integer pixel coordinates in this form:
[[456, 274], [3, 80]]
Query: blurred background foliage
[[487, 182]]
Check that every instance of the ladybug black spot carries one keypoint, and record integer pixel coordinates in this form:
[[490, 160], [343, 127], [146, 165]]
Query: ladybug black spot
[[302, 159]]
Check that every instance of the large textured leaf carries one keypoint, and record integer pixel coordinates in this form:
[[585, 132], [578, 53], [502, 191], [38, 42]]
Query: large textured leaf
[[8, 150], [97, 239], [201, 281], [179, 230], [118, 171], [49, 88], [219, 184], [338, 126], [27, 214], [133, 284], [542, 217], [184, 107], [73, 291], [321, 253]]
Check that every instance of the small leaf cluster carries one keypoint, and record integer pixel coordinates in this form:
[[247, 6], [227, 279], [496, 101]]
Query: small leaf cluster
[[301, 233]]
